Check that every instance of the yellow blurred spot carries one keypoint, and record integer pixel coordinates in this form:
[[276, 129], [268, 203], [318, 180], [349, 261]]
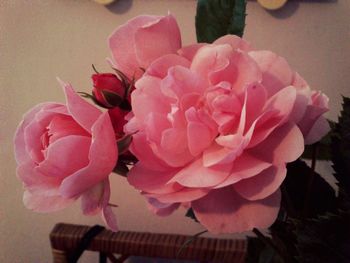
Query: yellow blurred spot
[[104, 2], [272, 4]]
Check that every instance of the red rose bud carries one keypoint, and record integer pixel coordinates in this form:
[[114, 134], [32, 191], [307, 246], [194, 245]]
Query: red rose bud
[[117, 117], [109, 90]]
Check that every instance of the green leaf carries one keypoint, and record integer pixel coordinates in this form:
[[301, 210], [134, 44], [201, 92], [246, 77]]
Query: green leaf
[[94, 100], [112, 98], [124, 143], [216, 18], [255, 248], [295, 191], [125, 105], [259, 252], [283, 236], [341, 148], [121, 168], [324, 239], [191, 215]]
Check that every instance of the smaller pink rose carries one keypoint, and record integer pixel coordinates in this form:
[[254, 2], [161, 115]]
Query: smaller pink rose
[[136, 44], [65, 152]]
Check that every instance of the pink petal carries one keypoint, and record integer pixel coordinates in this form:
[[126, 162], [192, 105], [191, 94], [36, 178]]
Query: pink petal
[[300, 104], [156, 39], [245, 166], [247, 71], [180, 196], [196, 143], [62, 125], [224, 211], [283, 101], [21, 152], [197, 175], [103, 156], [256, 99], [34, 181], [211, 58], [35, 134], [285, 144], [181, 81], [276, 72], [263, 184], [159, 68], [298, 81], [122, 45], [317, 107], [217, 154], [234, 41], [174, 140], [65, 156], [172, 158], [109, 218], [277, 111], [152, 181], [83, 112], [148, 98], [140, 147], [45, 204], [318, 131], [161, 209], [190, 51], [155, 124], [227, 103], [96, 198]]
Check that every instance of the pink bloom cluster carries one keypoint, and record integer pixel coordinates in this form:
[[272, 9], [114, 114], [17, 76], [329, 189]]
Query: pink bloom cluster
[[213, 127], [215, 124]]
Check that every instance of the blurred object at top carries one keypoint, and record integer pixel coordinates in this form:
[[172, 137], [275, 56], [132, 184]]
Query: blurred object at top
[[104, 2], [272, 4]]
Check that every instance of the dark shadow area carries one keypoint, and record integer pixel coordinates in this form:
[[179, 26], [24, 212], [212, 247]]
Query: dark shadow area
[[286, 11], [120, 6]]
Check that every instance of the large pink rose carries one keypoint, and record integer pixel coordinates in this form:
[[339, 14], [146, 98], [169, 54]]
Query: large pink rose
[[141, 40], [215, 126], [65, 152]]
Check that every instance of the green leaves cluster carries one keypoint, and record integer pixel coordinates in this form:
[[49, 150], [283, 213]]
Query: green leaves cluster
[[216, 18], [314, 222]]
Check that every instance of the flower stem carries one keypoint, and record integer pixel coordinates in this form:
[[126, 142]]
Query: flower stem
[[93, 67], [311, 180]]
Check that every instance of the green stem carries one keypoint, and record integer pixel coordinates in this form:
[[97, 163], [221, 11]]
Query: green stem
[[93, 67], [311, 180], [189, 241]]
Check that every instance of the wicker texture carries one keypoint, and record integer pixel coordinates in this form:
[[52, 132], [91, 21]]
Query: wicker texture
[[66, 237]]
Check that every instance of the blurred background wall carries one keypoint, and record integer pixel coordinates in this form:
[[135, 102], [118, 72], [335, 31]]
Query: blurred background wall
[[40, 40]]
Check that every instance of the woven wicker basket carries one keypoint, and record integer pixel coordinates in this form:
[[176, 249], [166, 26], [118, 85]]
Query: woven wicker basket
[[66, 238]]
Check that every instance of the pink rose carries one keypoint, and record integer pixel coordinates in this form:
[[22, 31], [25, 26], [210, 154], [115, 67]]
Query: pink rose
[[141, 40], [216, 125], [65, 152], [310, 105]]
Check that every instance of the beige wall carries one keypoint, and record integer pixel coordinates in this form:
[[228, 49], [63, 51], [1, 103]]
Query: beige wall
[[40, 40]]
